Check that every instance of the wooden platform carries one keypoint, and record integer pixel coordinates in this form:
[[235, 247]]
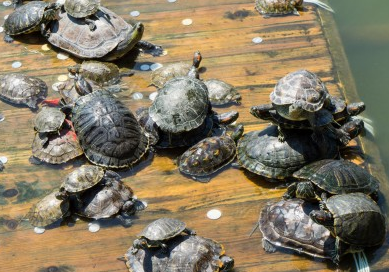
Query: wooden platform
[[223, 31]]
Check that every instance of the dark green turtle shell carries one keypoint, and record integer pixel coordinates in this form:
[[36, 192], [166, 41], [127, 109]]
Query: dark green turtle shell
[[107, 130], [339, 177], [358, 220], [163, 229], [48, 210], [287, 224], [82, 178], [81, 8], [160, 76], [49, 120], [184, 253], [277, 7], [26, 18], [262, 153], [221, 93], [103, 73], [181, 105]]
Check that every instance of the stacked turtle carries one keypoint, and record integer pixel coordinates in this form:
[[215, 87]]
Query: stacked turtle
[[90, 192], [160, 247]]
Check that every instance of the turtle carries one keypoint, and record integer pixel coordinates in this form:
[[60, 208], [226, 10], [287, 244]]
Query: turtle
[[221, 93], [57, 148], [269, 8], [301, 95], [209, 155], [112, 38], [48, 210], [260, 151], [331, 177], [22, 89], [107, 200], [160, 76], [108, 132], [158, 232], [33, 16], [49, 119], [354, 219], [83, 9], [184, 254]]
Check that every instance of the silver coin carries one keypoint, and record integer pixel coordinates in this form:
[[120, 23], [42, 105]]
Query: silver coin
[[94, 227], [137, 96], [145, 67], [62, 56], [257, 40], [1, 29], [4, 159], [214, 214], [172, 1], [39, 230], [7, 3], [155, 66], [153, 95], [135, 13], [187, 22], [2, 117], [16, 64]]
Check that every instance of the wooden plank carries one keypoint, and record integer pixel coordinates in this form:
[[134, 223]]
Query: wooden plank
[[289, 43]]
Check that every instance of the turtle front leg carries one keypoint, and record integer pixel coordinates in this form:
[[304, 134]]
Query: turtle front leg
[[281, 135], [126, 222], [290, 191], [267, 246], [45, 30], [150, 48], [90, 23], [8, 39]]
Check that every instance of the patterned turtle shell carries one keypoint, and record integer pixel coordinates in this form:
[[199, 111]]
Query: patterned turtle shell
[[163, 229], [277, 7], [49, 120], [107, 130], [22, 89], [221, 93], [181, 105], [82, 178], [81, 8]]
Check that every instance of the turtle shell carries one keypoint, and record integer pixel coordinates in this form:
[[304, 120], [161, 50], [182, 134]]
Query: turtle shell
[[262, 153], [277, 7], [48, 210], [22, 89], [163, 229], [83, 178], [49, 120], [103, 73], [221, 93], [75, 37], [56, 148], [357, 219], [303, 86], [339, 177], [81, 8], [287, 224], [184, 253], [26, 18], [104, 201], [160, 76], [181, 105], [107, 130]]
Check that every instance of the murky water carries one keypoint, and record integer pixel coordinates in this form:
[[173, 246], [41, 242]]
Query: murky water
[[364, 29]]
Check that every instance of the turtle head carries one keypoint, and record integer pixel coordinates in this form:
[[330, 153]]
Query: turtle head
[[353, 127], [322, 218], [62, 194], [75, 69], [140, 243], [356, 108], [137, 32], [237, 133], [51, 11], [81, 85], [297, 3], [237, 98], [227, 263], [262, 111], [305, 190], [197, 59]]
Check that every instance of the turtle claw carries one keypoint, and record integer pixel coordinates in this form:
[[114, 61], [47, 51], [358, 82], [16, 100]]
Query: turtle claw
[[8, 39]]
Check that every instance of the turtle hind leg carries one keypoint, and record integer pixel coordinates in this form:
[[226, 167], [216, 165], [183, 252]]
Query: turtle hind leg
[[125, 222], [8, 39], [267, 246], [189, 231], [90, 23]]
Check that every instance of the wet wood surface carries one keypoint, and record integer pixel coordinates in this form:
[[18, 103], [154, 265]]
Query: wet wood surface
[[223, 31]]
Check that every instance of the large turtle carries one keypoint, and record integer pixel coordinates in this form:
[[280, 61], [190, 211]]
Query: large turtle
[[22, 89], [354, 219], [331, 177], [269, 8], [112, 38], [48, 210], [183, 254], [82, 9], [158, 232], [209, 155], [28, 18], [262, 153], [221, 93], [49, 120]]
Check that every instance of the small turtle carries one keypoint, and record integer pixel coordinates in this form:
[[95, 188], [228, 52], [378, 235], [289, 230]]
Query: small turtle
[[160, 76], [49, 120], [57, 148], [354, 219], [269, 8], [22, 89], [83, 9], [157, 232], [331, 177], [112, 199], [184, 254], [261, 152], [221, 93], [209, 155], [28, 18], [48, 210]]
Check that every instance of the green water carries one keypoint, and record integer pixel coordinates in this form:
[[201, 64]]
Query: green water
[[364, 28]]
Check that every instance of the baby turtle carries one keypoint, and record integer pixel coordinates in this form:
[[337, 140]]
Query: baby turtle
[[269, 8], [83, 9], [354, 219], [49, 120], [28, 18], [209, 155], [221, 93], [48, 210], [331, 177], [286, 224], [160, 76], [57, 148], [158, 232], [261, 152], [112, 38], [184, 254], [22, 89]]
